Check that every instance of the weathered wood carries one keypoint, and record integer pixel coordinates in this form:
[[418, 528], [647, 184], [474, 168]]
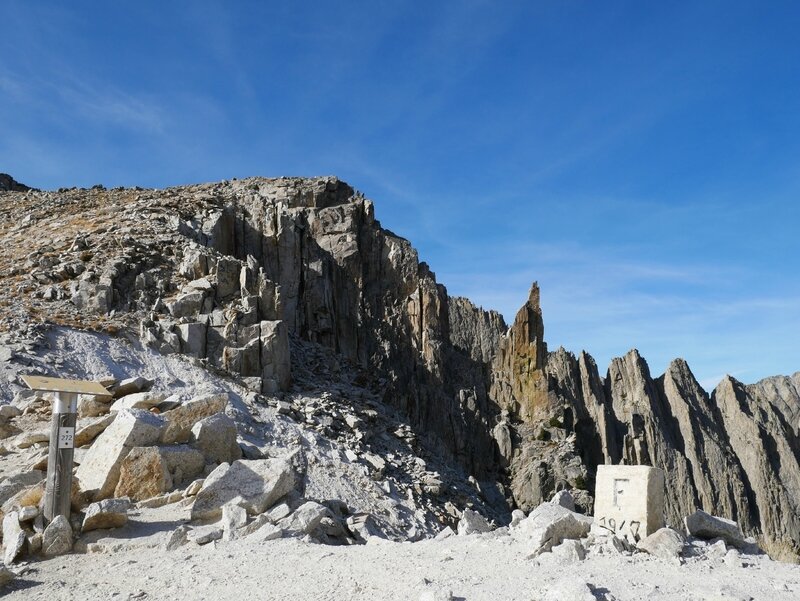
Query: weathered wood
[[60, 385], [59, 462]]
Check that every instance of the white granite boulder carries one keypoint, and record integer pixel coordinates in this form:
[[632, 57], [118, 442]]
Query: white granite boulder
[[137, 400], [707, 526], [13, 538], [472, 522], [131, 386], [253, 484], [306, 518], [568, 551], [100, 469], [57, 537], [564, 499], [233, 518], [108, 513], [179, 421], [664, 542], [548, 525], [215, 437]]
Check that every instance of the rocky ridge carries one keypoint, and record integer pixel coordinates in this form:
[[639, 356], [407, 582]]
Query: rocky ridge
[[257, 278]]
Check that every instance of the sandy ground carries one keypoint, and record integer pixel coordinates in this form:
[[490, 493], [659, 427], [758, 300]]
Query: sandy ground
[[478, 567]]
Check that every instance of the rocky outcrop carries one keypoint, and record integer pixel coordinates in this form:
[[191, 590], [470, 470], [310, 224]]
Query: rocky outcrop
[[247, 275], [769, 452], [9, 184]]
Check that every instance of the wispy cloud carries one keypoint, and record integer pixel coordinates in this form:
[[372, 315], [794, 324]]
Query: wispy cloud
[[67, 97]]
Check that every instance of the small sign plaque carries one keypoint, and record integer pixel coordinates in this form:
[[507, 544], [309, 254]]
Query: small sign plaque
[[66, 438]]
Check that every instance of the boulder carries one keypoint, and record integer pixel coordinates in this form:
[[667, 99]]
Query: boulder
[[143, 474], [306, 518], [28, 513], [91, 406], [192, 338], [569, 551], [194, 488], [259, 522], [179, 421], [108, 513], [472, 522], [99, 472], [183, 462], [9, 412], [364, 527], [233, 518], [215, 437], [187, 305], [161, 500], [6, 576], [563, 498], [138, 400], [280, 511], [704, 525], [177, 538], [57, 537], [89, 429], [717, 549], [132, 385], [14, 484], [13, 538], [28, 439], [204, 534], [516, 517], [29, 496], [270, 532], [548, 525], [444, 533], [664, 542], [253, 484]]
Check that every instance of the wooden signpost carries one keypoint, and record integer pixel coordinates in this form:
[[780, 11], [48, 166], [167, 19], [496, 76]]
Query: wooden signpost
[[62, 438]]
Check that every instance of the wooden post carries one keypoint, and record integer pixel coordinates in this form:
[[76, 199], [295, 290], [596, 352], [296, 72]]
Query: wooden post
[[58, 491]]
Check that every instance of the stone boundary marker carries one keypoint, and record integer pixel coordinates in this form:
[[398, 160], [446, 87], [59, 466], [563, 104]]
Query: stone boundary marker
[[62, 438], [629, 500]]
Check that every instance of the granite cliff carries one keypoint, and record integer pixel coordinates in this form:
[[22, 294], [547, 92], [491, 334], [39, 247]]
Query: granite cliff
[[244, 275]]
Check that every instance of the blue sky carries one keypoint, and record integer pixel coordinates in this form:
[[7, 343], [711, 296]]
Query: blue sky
[[641, 160]]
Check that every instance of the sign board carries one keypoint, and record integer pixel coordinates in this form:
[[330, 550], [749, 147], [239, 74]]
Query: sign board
[[66, 438], [46, 384], [629, 500]]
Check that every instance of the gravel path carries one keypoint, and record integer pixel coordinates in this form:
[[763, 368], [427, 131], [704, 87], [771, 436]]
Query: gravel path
[[483, 567]]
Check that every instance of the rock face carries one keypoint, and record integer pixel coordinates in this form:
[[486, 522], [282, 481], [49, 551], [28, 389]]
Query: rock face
[[768, 450], [236, 273], [9, 184]]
